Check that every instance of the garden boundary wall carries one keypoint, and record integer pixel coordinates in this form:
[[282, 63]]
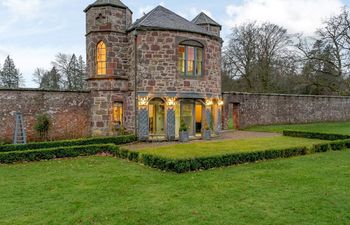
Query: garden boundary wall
[[247, 109], [69, 112]]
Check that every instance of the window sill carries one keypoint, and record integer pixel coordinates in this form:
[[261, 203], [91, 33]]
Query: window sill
[[108, 77], [192, 77]]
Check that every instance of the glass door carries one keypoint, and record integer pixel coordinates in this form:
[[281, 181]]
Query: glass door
[[157, 117], [187, 114]]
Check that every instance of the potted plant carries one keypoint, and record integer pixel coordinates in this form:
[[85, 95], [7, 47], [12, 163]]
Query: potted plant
[[206, 132], [184, 135]]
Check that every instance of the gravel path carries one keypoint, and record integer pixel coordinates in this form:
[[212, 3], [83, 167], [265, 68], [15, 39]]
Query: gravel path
[[225, 135]]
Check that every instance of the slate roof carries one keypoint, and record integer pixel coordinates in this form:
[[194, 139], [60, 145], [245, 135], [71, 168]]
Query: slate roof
[[203, 19], [162, 18], [115, 3]]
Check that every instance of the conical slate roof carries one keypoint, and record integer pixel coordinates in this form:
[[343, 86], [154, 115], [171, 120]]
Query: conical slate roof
[[115, 3], [203, 19], [164, 19]]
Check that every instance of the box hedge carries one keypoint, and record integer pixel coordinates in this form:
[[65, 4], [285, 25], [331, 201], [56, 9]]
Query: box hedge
[[204, 163], [67, 143], [315, 135], [53, 153]]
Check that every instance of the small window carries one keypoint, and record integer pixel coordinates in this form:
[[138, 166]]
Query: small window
[[101, 58], [118, 113], [190, 62]]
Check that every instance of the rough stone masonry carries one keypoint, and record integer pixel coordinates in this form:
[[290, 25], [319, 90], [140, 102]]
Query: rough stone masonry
[[264, 109], [69, 112]]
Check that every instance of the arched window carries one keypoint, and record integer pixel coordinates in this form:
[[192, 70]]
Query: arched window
[[190, 62], [101, 58]]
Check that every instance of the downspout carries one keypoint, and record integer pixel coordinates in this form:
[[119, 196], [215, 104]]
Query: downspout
[[135, 81]]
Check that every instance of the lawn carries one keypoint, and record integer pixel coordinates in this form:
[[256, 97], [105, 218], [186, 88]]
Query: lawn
[[312, 189], [330, 128], [213, 148]]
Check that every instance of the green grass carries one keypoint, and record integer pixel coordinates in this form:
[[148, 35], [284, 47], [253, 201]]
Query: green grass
[[330, 128], [100, 190], [213, 148]]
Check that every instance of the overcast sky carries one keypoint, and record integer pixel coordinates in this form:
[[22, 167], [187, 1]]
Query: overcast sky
[[32, 32]]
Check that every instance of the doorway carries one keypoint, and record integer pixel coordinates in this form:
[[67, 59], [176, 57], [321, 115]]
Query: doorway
[[235, 116], [187, 115], [199, 118], [157, 117]]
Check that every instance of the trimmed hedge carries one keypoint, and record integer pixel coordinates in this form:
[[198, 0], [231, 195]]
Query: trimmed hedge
[[168, 164], [205, 163], [315, 135], [53, 153], [68, 143]]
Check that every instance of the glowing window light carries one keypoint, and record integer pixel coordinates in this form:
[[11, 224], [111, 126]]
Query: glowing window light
[[209, 102], [143, 101], [101, 58], [171, 102]]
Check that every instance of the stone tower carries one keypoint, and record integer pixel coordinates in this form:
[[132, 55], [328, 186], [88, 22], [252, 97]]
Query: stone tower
[[108, 65]]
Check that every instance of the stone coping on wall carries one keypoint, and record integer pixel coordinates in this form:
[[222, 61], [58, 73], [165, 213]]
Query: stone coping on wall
[[40, 90], [284, 95]]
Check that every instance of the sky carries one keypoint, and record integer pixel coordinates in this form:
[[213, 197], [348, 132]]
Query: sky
[[32, 32]]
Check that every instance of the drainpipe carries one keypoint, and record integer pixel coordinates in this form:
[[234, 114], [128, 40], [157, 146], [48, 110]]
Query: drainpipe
[[135, 80]]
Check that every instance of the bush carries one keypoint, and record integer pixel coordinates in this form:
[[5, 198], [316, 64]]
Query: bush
[[204, 163], [320, 148], [54, 153], [126, 154], [315, 135], [42, 125], [183, 126], [54, 144]]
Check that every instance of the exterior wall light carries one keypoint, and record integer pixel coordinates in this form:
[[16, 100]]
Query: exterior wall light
[[143, 101], [220, 102], [171, 102], [209, 102]]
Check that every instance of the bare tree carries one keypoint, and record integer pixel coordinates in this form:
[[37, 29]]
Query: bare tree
[[62, 64], [273, 42], [240, 55], [327, 57], [255, 56], [50, 80], [72, 71]]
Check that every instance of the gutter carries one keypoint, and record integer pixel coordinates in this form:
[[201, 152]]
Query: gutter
[[135, 80]]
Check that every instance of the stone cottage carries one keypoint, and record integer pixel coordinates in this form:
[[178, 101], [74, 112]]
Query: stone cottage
[[150, 75]]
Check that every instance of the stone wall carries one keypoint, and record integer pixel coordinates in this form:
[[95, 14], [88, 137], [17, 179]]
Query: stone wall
[[69, 112], [158, 64], [264, 109]]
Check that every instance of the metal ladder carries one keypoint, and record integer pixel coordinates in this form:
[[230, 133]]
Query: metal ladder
[[20, 133]]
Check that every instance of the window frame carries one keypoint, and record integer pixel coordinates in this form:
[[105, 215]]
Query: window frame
[[102, 68], [195, 45], [119, 105]]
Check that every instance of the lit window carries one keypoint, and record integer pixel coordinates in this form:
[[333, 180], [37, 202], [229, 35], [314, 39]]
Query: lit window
[[101, 58], [190, 62], [182, 59], [118, 113]]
